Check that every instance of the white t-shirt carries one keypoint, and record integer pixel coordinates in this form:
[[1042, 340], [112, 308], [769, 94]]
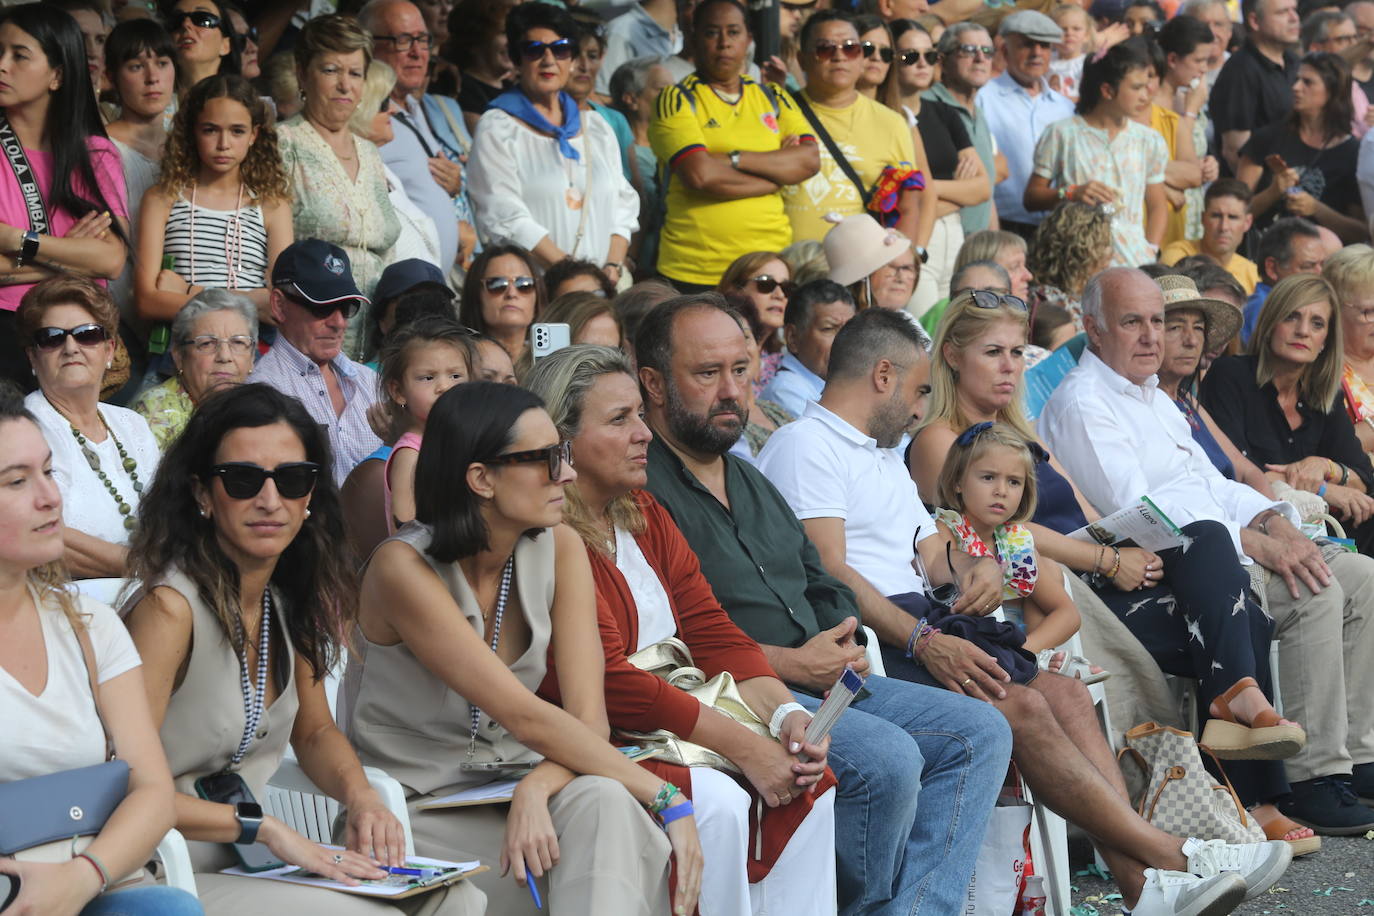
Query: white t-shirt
[[59, 729], [86, 505], [825, 468], [656, 621]]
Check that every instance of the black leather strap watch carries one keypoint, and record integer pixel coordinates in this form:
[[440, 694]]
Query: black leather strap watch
[[249, 816], [28, 249]]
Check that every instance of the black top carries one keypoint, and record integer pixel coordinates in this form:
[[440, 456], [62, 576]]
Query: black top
[[1252, 417], [943, 134], [1327, 174], [1252, 91], [475, 95]]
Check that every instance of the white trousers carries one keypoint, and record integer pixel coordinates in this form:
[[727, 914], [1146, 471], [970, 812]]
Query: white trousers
[[933, 284], [801, 883]]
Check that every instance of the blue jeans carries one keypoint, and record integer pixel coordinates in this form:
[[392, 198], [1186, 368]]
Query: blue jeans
[[900, 742], [145, 901]]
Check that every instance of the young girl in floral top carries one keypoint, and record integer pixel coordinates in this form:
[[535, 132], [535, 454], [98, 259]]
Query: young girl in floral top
[[988, 483]]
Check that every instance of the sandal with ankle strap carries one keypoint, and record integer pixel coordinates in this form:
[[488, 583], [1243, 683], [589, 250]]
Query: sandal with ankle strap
[[1278, 827], [1263, 739]]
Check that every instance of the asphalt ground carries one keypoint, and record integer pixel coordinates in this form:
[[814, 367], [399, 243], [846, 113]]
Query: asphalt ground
[[1338, 880]]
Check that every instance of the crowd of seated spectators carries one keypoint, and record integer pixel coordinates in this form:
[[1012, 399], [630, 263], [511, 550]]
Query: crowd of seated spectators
[[472, 390]]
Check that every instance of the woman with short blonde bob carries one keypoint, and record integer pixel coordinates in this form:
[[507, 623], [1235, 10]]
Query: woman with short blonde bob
[[1282, 405], [1350, 272]]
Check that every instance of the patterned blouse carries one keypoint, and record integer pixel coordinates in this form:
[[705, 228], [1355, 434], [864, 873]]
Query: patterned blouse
[[167, 408], [1072, 152], [1015, 552], [354, 214]]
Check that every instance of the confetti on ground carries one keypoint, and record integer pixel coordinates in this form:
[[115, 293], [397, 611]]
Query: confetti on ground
[[1092, 871], [1278, 890], [1369, 835], [1365, 902], [1084, 909]]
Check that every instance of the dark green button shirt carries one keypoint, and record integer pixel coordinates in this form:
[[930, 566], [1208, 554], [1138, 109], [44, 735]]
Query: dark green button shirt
[[764, 570]]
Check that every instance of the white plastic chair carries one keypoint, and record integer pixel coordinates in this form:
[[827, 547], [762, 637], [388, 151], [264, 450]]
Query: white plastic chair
[[106, 591], [176, 862], [296, 801], [873, 654]]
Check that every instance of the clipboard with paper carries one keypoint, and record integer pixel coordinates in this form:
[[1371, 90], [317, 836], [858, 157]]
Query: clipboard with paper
[[1143, 524], [438, 873]]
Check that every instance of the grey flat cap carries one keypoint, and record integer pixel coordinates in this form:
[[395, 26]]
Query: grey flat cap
[[1034, 25]]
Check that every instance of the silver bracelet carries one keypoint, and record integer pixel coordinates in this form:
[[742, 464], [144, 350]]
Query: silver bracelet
[[782, 712]]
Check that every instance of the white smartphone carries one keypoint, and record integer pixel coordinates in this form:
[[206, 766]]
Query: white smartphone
[[547, 338]]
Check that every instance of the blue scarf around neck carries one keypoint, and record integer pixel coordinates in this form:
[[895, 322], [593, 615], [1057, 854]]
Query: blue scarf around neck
[[518, 105]]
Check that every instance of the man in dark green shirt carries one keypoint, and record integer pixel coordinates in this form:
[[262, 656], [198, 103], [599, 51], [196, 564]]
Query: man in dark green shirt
[[899, 741]]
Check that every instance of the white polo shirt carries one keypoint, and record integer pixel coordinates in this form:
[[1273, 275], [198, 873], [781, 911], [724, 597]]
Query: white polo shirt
[[826, 468]]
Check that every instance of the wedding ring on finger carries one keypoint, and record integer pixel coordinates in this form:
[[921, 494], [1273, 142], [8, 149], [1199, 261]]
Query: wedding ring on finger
[[967, 681], [338, 858]]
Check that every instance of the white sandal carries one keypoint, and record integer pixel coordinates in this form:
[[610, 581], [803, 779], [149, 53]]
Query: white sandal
[[1075, 666]]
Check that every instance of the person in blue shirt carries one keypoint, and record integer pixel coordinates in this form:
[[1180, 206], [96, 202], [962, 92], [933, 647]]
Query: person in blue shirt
[[814, 315]]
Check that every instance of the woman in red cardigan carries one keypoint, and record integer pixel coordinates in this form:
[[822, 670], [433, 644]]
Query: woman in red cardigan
[[768, 831]]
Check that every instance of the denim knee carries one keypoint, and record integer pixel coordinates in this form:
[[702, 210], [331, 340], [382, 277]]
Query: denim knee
[[145, 901]]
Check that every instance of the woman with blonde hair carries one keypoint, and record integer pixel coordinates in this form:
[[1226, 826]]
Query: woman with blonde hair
[[1006, 249], [1282, 404], [1350, 272], [1069, 246]]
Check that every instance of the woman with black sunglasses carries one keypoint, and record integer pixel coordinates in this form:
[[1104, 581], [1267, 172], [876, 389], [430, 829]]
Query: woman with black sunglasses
[[546, 175], [103, 456], [502, 296], [248, 590], [956, 172], [204, 40], [763, 278], [459, 617]]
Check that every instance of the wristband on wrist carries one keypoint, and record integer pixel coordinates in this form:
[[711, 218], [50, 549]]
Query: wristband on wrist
[[1345, 475], [1321, 490], [923, 642], [780, 715], [677, 812], [666, 793], [99, 869]]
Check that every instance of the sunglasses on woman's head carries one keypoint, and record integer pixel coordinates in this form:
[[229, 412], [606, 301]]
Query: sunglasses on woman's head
[[87, 335], [554, 455], [885, 54], [499, 284], [849, 49], [987, 299], [199, 18], [242, 480], [533, 51], [766, 284], [910, 57]]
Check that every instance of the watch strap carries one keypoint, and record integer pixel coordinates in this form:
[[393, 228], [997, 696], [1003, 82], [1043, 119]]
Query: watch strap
[[28, 248], [250, 822]]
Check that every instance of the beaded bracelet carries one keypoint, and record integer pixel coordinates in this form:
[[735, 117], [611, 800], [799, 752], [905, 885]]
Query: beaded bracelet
[[923, 631], [1116, 566], [923, 642], [678, 811], [666, 793]]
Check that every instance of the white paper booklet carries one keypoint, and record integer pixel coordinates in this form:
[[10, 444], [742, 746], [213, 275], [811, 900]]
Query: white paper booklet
[[391, 886], [1143, 523]]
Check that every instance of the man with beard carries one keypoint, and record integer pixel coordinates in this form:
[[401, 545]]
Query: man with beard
[[839, 470], [898, 741]]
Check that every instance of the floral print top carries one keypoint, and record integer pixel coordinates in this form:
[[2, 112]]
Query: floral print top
[[167, 408], [1015, 547]]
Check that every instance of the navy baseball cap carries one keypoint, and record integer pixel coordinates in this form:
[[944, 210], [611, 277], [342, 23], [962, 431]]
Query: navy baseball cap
[[403, 276], [318, 271]]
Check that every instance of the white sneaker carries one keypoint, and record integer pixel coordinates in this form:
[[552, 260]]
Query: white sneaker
[[1258, 864], [1177, 893]]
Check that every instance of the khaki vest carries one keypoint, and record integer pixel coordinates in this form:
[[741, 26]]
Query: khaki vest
[[403, 719]]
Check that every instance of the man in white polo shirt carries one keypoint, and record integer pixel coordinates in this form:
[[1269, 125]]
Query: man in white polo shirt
[[837, 468]]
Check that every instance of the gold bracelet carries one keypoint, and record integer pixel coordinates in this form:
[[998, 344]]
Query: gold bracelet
[[1116, 567]]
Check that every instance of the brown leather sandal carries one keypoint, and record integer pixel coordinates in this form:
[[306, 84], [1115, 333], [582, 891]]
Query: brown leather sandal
[[1263, 739], [1278, 827]]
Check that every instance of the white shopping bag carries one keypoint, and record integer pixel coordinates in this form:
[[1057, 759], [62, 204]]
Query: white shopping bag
[[996, 878]]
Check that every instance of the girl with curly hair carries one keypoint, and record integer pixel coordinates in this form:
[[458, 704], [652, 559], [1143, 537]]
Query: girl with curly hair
[[221, 212], [1069, 246]]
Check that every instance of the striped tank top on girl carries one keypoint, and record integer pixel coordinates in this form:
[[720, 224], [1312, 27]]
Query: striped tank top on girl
[[228, 249]]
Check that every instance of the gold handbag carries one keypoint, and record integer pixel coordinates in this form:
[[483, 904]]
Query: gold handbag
[[671, 660]]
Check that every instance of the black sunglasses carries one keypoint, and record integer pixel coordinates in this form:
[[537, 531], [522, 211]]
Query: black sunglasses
[[347, 307], [885, 54], [199, 18], [766, 284], [987, 299], [849, 49], [555, 455], [499, 284], [910, 57], [532, 51], [87, 335], [242, 480]]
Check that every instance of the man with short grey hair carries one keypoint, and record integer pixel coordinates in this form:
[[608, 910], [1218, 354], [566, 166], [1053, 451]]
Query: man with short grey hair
[[966, 53], [1121, 439]]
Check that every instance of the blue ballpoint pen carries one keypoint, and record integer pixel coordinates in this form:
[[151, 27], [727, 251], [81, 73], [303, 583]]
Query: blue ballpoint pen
[[534, 891]]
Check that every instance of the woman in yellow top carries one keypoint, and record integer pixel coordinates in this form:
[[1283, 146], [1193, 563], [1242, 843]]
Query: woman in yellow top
[[1179, 55]]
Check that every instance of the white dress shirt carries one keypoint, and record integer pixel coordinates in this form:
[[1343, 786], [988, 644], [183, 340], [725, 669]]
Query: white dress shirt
[[1120, 441], [826, 468]]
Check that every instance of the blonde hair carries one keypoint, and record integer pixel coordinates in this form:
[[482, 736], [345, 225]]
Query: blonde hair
[[986, 246], [1321, 381], [806, 260], [381, 79], [961, 455], [962, 324], [562, 379], [1349, 270], [577, 309]]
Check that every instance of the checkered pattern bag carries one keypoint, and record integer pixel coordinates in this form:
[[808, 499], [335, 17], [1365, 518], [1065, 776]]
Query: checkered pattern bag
[[1179, 795]]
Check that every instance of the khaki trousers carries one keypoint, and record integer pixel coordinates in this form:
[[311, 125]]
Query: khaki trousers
[[1326, 666], [612, 857], [227, 895]]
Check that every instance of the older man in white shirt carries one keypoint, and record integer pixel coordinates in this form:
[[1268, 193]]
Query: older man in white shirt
[[1121, 438]]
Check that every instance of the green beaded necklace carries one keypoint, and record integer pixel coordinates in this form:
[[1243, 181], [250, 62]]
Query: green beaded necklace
[[128, 463]]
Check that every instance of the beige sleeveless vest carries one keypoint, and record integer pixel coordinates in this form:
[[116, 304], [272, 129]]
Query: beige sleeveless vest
[[402, 718], [205, 715]]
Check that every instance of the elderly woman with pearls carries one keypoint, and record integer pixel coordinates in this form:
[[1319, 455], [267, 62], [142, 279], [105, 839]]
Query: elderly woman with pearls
[[213, 339]]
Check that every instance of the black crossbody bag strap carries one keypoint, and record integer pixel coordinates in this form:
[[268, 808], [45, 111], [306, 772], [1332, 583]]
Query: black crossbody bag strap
[[23, 173], [829, 141]]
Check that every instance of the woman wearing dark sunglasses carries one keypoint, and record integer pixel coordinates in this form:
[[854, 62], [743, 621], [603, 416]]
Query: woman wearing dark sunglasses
[[764, 278], [103, 456], [458, 616], [502, 296], [204, 40], [546, 175], [248, 590]]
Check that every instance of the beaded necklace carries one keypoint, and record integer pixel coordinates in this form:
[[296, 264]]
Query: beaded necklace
[[129, 464], [501, 597]]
